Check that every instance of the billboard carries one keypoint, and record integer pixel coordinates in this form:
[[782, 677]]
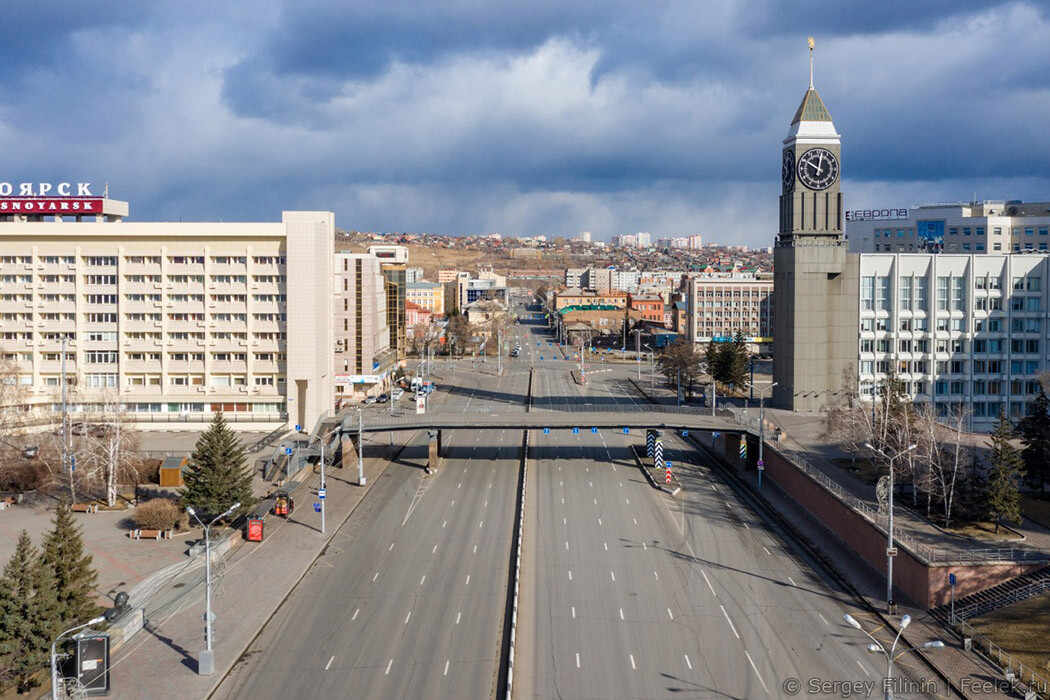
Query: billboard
[[57, 206], [931, 235]]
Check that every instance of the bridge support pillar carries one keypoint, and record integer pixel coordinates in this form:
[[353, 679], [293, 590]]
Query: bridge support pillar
[[434, 450], [349, 448]]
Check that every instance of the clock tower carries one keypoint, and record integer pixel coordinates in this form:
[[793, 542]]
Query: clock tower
[[815, 279]]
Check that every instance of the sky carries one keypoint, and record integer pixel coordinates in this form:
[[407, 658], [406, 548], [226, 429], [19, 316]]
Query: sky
[[546, 117]]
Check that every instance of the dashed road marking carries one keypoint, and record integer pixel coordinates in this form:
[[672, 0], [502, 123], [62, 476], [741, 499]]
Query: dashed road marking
[[574, 612], [792, 582], [468, 580], [767, 551], [632, 662], [390, 548], [422, 579], [577, 659], [434, 550], [688, 662], [446, 667], [613, 576], [570, 574], [823, 620], [731, 625], [389, 664], [759, 675], [457, 617], [656, 575], [355, 614], [408, 616], [375, 577], [866, 672], [670, 614], [704, 574], [621, 613], [329, 664]]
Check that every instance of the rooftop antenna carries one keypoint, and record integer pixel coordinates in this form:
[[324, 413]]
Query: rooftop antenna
[[105, 192], [810, 41]]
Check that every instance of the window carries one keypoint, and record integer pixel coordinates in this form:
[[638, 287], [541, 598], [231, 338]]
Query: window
[[264, 381], [866, 324], [95, 357], [100, 381], [882, 294], [942, 293], [867, 293], [905, 293], [100, 261], [1032, 283], [100, 279], [1033, 304], [100, 318]]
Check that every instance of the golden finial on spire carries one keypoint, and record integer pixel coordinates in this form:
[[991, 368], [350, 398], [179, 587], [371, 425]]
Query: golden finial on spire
[[809, 40]]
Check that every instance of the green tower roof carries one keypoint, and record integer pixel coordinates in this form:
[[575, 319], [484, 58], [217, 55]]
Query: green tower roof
[[812, 109]]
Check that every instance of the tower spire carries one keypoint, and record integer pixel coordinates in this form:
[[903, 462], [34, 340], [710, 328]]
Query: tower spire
[[810, 41]]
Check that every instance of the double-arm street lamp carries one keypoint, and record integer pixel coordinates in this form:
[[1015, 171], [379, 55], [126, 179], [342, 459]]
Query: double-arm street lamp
[[206, 663], [891, 654], [890, 550], [54, 657]]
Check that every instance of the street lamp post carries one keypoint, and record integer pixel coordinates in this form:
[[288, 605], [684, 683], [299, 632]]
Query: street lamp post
[[324, 438], [206, 662], [762, 428], [879, 648], [54, 656], [652, 367], [889, 523], [360, 448]]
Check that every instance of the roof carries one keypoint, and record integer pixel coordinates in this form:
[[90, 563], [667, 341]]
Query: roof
[[680, 305], [588, 307], [812, 109], [423, 285], [175, 463]]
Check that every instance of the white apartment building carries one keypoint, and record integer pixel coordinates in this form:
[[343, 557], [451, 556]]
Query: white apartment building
[[966, 332], [364, 361], [990, 227], [174, 321], [575, 277], [720, 305]]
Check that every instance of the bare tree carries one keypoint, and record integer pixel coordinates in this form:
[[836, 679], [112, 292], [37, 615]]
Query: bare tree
[[109, 449]]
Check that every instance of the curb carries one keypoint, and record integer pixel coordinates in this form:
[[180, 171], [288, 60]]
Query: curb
[[511, 634], [649, 477]]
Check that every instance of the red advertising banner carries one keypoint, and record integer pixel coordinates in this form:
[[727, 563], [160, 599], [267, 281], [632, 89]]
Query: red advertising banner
[[255, 529], [55, 206]]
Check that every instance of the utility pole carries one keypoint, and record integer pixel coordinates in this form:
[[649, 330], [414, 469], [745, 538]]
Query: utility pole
[[66, 462], [714, 397], [761, 429], [499, 350], [360, 448]]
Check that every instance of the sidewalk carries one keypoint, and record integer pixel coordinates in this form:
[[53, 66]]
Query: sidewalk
[[161, 661]]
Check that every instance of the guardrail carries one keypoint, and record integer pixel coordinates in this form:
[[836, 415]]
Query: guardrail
[[926, 553], [986, 606], [1035, 682], [134, 417], [519, 533]]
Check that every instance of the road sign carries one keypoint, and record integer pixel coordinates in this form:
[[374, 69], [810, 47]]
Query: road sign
[[288, 450], [951, 579], [715, 434], [891, 551], [685, 433], [743, 449], [575, 431], [298, 428], [594, 430], [626, 431], [668, 464], [546, 431], [668, 477], [317, 507], [421, 404], [73, 463], [761, 465], [320, 493]]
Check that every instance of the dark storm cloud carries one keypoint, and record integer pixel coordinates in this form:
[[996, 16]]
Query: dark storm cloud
[[546, 116]]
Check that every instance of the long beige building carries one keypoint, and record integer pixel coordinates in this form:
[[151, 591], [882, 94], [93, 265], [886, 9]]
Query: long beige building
[[175, 321]]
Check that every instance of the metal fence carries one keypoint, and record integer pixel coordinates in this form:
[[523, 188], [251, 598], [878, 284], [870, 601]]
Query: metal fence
[[1035, 682], [926, 553], [1008, 598]]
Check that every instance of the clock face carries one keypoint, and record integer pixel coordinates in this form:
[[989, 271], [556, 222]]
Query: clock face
[[787, 171], [818, 169]]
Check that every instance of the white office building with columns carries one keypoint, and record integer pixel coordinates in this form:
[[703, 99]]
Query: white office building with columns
[[967, 333], [172, 321]]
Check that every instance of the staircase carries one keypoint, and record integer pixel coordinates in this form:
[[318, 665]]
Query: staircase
[[983, 602]]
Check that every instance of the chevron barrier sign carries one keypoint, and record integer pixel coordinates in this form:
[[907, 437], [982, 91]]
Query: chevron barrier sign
[[650, 441], [743, 449], [668, 477], [658, 452]]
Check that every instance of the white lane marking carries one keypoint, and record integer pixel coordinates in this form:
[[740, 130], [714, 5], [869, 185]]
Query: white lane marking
[[704, 574], [577, 659], [444, 523], [409, 615], [591, 484], [486, 504], [731, 625], [475, 550], [375, 577], [688, 662], [446, 667], [759, 675], [614, 467], [632, 662], [566, 544], [563, 500], [792, 582], [390, 548], [355, 614], [635, 520], [468, 580], [713, 487], [561, 483], [453, 502], [329, 664], [670, 614], [389, 664], [621, 484], [768, 552], [823, 620], [606, 546], [564, 521], [434, 550], [628, 501], [621, 613], [481, 523], [599, 522], [570, 574], [595, 501], [645, 547], [866, 672], [464, 470], [459, 485], [656, 575], [746, 526], [422, 579], [574, 612], [612, 575], [457, 617]]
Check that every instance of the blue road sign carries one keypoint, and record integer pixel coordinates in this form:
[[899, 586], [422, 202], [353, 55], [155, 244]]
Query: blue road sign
[[288, 450], [546, 431], [951, 579], [594, 430], [626, 431], [317, 507], [320, 493], [685, 433], [298, 427], [73, 463], [668, 464], [715, 434], [575, 431], [541, 357]]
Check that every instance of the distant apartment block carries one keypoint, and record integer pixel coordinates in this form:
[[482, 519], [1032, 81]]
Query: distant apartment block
[[721, 305], [427, 295], [364, 361]]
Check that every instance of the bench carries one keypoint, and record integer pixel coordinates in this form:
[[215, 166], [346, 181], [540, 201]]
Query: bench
[[84, 508], [139, 534]]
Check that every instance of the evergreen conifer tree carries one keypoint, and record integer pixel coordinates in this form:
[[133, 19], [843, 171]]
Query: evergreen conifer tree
[[218, 476], [75, 577], [1035, 435], [1002, 498], [738, 361], [29, 619]]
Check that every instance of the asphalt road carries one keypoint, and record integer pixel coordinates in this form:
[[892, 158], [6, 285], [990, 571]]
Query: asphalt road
[[631, 593], [408, 599]]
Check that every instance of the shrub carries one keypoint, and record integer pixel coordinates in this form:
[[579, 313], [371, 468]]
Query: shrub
[[160, 514]]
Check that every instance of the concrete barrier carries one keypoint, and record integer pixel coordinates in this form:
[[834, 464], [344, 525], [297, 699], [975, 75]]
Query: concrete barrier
[[511, 638]]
